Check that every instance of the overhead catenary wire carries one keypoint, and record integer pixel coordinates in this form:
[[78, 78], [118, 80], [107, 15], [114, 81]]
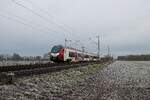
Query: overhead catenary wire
[[37, 9], [90, 41], [18, 21], [41, 16], [37, 14], [50, 15], [37, 25]]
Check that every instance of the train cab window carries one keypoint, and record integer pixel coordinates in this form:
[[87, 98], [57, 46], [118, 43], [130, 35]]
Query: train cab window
[[56, 49]]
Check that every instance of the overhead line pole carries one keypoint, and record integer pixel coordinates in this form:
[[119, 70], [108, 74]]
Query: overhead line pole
[[65, 42], [108, 50], [83, 49], [98, 38]]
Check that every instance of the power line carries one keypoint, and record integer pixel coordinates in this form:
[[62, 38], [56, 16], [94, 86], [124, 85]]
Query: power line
[[98, 45], [55, 21], [22, 19], [92, 41], [50, 15], [38, 14], [35, 13], [10, 18]]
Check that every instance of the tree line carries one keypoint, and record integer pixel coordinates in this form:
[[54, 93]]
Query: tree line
[[18, 57], [135, 58]]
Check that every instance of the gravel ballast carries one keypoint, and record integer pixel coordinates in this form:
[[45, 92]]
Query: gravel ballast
[[121, 80], [57, 85]]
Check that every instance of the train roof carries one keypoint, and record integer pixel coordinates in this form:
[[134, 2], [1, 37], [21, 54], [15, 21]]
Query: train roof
[[79, 51]]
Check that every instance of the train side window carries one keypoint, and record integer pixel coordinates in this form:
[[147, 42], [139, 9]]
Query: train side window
[[71, 54]]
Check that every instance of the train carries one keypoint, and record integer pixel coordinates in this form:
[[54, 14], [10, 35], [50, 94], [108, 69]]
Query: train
[[60, 53]]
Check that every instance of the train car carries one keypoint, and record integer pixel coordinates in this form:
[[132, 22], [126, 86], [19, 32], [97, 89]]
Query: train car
[[66, 54], [61, 54]]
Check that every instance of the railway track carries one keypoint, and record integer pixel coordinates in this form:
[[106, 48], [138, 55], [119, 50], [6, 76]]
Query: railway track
[[35, 66], [9, 73], [28, 66]]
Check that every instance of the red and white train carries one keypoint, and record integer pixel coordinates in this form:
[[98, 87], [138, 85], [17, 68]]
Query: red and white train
[[65, 54]]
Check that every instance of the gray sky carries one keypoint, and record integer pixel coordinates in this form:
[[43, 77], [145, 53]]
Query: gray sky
[[124, 25]]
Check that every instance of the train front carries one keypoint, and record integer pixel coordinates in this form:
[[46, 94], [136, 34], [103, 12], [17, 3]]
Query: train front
[[57, 53]]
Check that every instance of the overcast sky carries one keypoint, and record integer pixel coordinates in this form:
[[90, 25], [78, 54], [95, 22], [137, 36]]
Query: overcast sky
[[32, 27]]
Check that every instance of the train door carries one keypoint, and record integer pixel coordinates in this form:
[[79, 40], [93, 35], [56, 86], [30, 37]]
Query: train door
[[66, 54], [70, 55]]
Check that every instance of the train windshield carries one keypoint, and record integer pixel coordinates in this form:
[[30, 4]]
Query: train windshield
[[56, 49]]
